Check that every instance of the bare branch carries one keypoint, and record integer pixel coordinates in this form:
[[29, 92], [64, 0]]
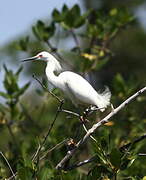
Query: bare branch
[[69, 154], [55, 147], [48, 133], [75, 39], [81, 163], [53, 49], [129, 145], [90, 135], [142, 154], [46, 89], [70, 112], [8, 164], [76, 165]]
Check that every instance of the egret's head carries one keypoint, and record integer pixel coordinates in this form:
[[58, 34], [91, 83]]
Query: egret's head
[[42, 56]]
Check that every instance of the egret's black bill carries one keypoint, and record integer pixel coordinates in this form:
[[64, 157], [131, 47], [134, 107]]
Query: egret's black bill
[[29, 59]]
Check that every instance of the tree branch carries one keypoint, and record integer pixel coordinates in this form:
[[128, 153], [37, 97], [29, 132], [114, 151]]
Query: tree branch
[[53, 49], [46, 136], [69, 154], [123, 148], [81, 163], [75, 39], [55, 147], [45, 88], [8, 164], [126, 147]]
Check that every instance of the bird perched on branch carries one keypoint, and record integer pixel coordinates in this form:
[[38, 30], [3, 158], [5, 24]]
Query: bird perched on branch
[[78, 89]]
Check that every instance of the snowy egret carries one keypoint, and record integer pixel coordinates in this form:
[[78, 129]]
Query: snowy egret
[[78, 89]]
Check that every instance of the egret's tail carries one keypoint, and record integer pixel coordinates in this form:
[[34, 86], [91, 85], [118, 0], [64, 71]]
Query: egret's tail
[[104, 99]]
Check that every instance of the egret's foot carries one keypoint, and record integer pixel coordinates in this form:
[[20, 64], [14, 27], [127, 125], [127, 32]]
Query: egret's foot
[[90, 110], [83, 119]]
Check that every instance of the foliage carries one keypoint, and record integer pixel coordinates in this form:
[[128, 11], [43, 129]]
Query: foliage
[[23, 122]]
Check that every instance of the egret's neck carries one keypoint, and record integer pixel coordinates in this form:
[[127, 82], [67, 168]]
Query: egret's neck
[[53, 69]]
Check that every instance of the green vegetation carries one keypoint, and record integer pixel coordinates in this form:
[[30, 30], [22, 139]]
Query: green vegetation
[[106, 47]]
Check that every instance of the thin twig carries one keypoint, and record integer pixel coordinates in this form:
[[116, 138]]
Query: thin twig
[[69, 154], [49, 131], [77, 115], [8, 164], [81, 163], [46, 89], [75, 39], [141, 154], [70, 112], [125, 147], [52, 149], [53, 49], [90, 135]]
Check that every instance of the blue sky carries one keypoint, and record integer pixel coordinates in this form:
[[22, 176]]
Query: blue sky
[[17, 16]]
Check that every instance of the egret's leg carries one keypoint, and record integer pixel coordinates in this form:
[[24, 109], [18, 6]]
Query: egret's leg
[[112, 107]]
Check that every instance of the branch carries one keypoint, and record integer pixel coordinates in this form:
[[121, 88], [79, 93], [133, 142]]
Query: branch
[[70, 112], [56, 115], [75, 39], [69, 154], [53, 49], [45, 88], [49, 131], [81, 163], [93, 158], [55, 147], [8, 164], [129, 145]]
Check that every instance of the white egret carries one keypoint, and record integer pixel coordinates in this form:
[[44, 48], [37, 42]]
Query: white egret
[[78, 89]]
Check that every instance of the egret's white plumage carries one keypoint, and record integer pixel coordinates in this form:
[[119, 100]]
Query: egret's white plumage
[[73, 85]]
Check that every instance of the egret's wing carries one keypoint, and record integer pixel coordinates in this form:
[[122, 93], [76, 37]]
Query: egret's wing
[[80, 90], [70, 94]]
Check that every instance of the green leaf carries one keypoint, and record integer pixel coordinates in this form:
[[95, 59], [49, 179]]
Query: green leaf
[[21, 91], [19, 71], [72, 16], [36, 33], [43, 32], [119, 83], [75, 10], [56, 16], [5, 68], [97, 171], [25, 173], [79, 22], [115, 158], [113, 12], [10, 82], [38, 30], [101, 63], [23, 43], [45, 174], [50, 30], [64, 8], [4, 95]]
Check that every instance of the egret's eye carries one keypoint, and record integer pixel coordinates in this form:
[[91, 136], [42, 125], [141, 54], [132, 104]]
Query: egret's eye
[[40, 56]]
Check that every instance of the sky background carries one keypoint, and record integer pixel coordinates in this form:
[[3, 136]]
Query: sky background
[[17, 16]]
